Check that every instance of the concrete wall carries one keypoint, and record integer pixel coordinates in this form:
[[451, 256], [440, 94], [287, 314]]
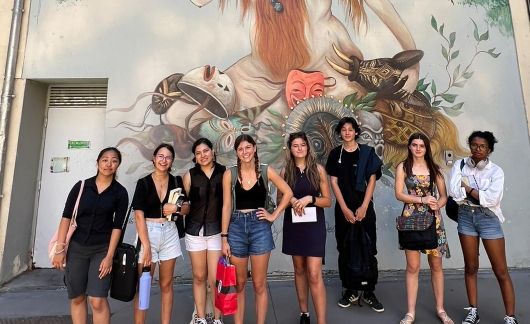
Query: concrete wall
[[136, 45]]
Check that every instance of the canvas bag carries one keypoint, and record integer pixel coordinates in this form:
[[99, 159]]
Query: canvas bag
[[52, 245], [225, 282]]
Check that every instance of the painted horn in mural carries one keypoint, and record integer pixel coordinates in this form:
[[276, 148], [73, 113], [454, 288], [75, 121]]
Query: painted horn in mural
[[382, 75]]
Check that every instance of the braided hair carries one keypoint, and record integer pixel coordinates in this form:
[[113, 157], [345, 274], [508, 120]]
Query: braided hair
[[247, 138]]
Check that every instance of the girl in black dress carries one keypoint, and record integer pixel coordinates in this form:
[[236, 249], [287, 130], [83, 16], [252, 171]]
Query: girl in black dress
[[306, 241]]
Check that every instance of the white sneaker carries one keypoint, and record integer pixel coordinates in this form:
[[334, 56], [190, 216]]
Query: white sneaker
[[200, 321]]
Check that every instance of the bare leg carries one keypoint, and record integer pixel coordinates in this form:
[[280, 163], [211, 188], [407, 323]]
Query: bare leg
[[497, 255], [470, 246], [411, 279], [241, 265], [100, 310], [200, 273], [316, 284], [259, 265], [437, 281], [166, 289], [300, 281], [212, 259], [78, 309]]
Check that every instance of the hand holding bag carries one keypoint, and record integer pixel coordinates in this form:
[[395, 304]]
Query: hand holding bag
[[124, 268], [53, 244], [226, 293], [451, 207]]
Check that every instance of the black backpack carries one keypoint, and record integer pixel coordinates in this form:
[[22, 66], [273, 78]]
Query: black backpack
[[361, 260]]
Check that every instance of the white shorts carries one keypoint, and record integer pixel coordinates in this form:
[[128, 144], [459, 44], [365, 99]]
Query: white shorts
[[164, 240], [201, 243]]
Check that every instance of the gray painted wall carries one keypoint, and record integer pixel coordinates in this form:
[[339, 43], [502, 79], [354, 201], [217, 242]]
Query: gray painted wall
[[19, 234]]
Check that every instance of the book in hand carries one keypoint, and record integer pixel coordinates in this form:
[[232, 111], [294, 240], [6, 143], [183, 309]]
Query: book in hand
[[309, 215], [176, 197]]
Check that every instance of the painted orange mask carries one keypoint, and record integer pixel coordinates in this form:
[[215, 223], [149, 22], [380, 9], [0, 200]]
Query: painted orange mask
[[301, 85]]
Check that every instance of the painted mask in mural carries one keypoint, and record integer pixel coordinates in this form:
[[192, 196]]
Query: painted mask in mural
[[301, 85], [211, 89], [371, 124]]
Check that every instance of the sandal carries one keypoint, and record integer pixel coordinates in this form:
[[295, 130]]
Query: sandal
[[444, 318], [408, 319]]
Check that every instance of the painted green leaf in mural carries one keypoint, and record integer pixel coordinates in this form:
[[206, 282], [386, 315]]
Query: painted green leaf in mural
[[444, 53], [453, 111], [456, 72], [460, 84], [433, 87], [485, 36], [434, 24], [454, 55], [448, 97], [475, 31], [452, 38]]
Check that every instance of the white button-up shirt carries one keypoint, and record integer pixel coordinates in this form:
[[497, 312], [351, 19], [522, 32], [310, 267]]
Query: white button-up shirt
[[489, 182]]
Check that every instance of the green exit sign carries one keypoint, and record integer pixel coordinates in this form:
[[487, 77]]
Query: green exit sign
[[78, 144]]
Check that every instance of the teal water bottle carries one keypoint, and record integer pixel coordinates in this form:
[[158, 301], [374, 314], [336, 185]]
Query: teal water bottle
[[144, 289]]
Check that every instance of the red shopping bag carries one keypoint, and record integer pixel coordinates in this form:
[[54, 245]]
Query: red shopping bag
[[226, 293]]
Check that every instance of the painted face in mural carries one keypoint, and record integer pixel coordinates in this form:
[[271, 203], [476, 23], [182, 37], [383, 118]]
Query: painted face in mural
[[203, 155], [245, 151], [302, 85], [163, 159], [108, 163], [417, 148], [211, 89], [299, 148], [371, 124]]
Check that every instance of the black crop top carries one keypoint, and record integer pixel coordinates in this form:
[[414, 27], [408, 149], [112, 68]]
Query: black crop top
[[253, 198], [146, 198]]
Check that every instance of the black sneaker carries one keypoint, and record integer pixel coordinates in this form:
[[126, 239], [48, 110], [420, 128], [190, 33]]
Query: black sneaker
[[472, 316], [510, 319], [304, 318], [348, 297], [370, 300]]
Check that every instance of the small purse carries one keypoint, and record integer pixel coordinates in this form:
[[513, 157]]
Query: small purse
[[52, 245]]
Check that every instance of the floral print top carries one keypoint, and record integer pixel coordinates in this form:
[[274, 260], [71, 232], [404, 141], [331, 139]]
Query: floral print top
[[418, 185]]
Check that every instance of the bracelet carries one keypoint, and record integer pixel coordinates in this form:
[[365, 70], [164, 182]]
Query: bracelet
[[224, 234], [59, 252]]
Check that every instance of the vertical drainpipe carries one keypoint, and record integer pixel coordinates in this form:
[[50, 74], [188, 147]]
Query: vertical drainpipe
[[9, 81]]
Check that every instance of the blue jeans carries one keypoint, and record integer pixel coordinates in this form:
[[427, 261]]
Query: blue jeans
[[247, 235], [479, 221]]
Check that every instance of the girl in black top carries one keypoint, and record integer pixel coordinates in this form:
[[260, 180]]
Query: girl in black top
[[246, 223], [203, 185], [100, 216], [354, 169], [158, 234]]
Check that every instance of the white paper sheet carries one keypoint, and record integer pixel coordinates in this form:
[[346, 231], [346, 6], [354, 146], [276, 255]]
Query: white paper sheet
[[310, 215]]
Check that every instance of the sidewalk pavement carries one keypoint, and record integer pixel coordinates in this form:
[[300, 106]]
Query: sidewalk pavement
[[39, 296]]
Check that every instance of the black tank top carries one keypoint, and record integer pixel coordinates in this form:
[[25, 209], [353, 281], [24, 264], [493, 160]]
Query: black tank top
[[253, 198]]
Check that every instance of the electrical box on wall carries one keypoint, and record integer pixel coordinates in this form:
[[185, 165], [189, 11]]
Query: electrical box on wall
[[59, 164]]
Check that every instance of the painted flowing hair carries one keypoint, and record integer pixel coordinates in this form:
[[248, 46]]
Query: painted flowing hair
[[434, 169], [279, 37], [310, 162]]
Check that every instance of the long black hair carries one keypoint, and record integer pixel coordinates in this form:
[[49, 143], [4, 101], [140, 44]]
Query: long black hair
[[108, 149], [434, 169]]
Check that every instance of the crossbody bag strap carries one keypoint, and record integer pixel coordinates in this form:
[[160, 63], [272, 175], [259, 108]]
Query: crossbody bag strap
[[74, 214]]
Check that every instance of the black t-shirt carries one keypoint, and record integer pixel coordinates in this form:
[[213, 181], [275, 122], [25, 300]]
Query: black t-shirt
[[98, 213], [346, 172]]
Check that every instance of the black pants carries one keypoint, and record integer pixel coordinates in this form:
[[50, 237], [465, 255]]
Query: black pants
[[341, 229]]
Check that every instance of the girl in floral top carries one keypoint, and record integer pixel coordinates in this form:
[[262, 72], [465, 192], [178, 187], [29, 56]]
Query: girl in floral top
[[415, 174]]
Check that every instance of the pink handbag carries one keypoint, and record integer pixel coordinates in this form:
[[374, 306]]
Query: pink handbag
[[52, 245]]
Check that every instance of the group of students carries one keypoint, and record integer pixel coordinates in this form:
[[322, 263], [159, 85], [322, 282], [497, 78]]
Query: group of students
[[228, 211]]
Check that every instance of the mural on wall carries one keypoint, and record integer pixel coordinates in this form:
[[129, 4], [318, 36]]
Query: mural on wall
[[304, 72]]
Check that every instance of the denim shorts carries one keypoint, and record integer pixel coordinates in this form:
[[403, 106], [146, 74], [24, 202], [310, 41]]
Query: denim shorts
[[247, 235], [164, 240], [479, 221]]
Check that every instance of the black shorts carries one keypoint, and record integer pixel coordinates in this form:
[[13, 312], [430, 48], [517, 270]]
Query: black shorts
[[82, 271]]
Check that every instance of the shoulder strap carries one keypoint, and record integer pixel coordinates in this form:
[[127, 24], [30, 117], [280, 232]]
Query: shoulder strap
[[124, 227], [462, 163], [74, 213], [263, 172]]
